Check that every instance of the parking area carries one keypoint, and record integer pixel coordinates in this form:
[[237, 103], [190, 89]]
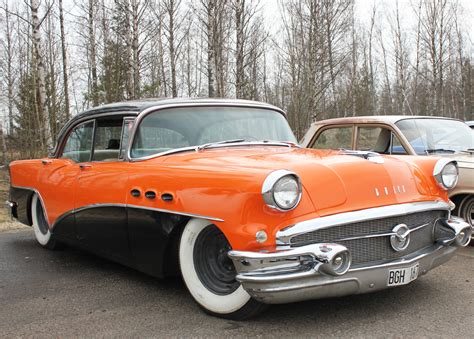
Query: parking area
[[70, 293]]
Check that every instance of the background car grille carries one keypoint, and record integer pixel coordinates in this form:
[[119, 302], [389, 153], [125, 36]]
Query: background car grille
[[365, 250]]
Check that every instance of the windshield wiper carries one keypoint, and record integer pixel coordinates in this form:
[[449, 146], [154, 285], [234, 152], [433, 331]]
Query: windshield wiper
[[468, 150], [223, 142], [250, 142], [439, 150]]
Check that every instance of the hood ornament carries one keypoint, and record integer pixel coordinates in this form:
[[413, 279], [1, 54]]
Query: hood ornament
[[400, 239]]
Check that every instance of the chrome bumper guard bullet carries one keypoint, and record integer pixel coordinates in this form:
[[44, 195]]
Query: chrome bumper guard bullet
[[324, 270]]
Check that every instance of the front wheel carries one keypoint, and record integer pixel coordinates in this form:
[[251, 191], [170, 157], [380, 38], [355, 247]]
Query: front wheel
[[40, 225], [209, 274], [466, 211]]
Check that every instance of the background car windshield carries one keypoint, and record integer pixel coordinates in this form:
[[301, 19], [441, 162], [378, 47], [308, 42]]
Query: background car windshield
[[437, 135], [169, 129]]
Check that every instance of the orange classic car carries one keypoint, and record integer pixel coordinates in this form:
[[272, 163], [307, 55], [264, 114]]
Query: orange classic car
[[219, 192]]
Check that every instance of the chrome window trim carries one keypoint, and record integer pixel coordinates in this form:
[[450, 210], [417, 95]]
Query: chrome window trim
[[283, 236], [156, 108]]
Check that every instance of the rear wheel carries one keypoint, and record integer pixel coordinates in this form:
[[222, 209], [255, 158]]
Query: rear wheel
[[40, 225], [209, 274], [466, 211]]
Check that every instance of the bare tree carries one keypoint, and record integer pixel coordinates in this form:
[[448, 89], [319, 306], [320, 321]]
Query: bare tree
[[40, 75], [64, 61]]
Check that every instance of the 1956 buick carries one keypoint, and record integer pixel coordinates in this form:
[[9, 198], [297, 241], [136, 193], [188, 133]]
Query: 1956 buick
[[219, 192]]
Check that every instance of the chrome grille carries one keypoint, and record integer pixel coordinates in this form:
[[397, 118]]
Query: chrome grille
[[364, 250]]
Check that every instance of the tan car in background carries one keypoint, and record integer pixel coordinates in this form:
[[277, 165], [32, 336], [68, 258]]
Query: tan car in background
[[410, 135]]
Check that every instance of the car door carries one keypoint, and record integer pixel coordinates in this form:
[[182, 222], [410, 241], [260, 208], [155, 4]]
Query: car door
[[100, 193], [57, 178]]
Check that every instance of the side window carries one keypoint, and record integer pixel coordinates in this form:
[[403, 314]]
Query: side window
[[334, 138], [107, 139], [126, 130], [375, 139], [397, 147], [378, 139], [79, 143]]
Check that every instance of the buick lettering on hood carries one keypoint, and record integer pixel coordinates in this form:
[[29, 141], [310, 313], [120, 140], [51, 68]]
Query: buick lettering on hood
[[218, 191]]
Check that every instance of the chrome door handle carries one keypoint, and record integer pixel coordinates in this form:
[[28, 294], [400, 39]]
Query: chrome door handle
[[84, 166], [46, 162]]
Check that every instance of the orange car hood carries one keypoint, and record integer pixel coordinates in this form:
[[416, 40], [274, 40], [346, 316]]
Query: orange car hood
[[330, 178]]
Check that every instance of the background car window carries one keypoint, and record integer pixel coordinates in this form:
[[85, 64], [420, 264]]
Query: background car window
[[334, 138], [376, 139], [107, 139], [397, 147], [79, 143]]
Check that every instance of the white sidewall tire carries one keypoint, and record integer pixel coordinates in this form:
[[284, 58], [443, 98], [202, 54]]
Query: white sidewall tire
[[42, 239], [222, 304]]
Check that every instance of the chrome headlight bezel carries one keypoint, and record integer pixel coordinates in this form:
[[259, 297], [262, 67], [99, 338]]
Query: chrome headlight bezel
[[439, 173], [268, 189]]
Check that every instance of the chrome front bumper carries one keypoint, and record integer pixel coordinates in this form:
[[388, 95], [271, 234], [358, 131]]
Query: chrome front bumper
[[307, 272]]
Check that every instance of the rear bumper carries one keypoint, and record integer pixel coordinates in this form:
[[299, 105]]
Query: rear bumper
[[305, 273]]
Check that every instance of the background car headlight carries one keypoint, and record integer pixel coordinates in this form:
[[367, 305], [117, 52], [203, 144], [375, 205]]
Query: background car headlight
[[446, 173], [282, 190]]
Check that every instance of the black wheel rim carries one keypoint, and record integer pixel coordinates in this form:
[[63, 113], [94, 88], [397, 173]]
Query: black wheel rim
[[469, 217], [213, 267], [42, 224]]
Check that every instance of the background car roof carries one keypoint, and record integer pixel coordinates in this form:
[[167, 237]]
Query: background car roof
[[390, 119]]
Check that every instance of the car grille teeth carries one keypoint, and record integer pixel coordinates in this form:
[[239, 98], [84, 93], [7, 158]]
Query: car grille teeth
[[375, 249]]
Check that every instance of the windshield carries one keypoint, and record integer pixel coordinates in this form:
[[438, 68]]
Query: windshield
[[428, 136], [175, 128]]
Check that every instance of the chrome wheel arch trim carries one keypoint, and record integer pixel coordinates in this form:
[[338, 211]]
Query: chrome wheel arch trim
[[284, 236]]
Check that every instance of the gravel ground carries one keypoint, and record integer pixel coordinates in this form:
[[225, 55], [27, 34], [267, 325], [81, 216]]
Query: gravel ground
[[70, 293]]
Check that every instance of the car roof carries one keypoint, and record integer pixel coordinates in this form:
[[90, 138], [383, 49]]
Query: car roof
[[142, 104], [390, 119], [135, 107]]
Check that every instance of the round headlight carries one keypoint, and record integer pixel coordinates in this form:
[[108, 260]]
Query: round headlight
[[286, 192], [449, 175], [282, 190], [446, 173]]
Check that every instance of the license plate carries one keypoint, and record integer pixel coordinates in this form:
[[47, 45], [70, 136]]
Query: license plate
[[402, 276]]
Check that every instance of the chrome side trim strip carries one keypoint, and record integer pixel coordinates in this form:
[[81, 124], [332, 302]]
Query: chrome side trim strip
[[283, 237], [192, 215], [62, 216], [76, 210]]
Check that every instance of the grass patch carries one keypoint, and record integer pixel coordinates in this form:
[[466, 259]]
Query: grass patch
[[6, 223]]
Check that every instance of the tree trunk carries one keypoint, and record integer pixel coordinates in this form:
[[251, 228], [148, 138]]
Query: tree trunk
[[92, 54], [40, 75], [65, 64], [239, 48]]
